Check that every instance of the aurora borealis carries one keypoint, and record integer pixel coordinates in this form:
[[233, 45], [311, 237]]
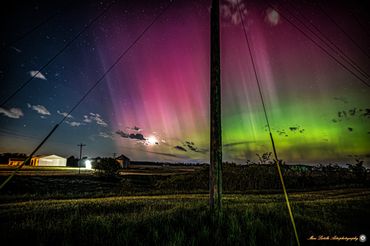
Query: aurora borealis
[[318, 111]]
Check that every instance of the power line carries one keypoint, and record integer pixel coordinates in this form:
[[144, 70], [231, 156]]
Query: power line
[[29, 157], [115, 63], [277, 161], [87, 93], [87, 26], [318, 45], [14, 133], [328, 42], [341, 29], [361, 24]]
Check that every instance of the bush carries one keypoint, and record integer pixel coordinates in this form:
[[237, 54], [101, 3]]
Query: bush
[[106, 166]]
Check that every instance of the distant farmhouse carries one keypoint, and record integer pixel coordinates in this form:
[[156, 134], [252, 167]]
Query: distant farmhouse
[[48, 160], [123, 161], [16, 161]]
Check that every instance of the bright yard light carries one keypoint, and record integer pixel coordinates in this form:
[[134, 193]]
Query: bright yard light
[[88, 164], [152, 140]]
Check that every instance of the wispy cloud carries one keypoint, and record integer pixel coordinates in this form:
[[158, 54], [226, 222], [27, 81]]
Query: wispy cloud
[[105, 135], [73, 123], [16, 49], [37, 74], [14, 113], [272, 17], [231, 9], [87, 119], [39, 109], [95, 118], [65, 114]]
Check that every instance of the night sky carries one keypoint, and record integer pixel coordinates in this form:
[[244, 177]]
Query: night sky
[[154, 104]]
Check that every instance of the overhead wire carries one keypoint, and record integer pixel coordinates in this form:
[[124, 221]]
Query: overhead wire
[[320, 46], [362, 25], [88, 92], [326, 40], [277, 161], [341, 29], [68, 44]]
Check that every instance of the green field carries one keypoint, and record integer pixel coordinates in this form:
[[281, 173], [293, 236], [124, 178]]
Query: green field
[[58, 206]]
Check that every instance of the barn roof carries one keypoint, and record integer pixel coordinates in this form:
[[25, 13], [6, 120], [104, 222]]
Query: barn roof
[[17, 159], [49, 156], [122, 157]]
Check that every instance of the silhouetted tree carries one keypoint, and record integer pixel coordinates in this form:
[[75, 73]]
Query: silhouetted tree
[[358, 170], [265, 158], [72, 161], [4, 157], [106, 166]]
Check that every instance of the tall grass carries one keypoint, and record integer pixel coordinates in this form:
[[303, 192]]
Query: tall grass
[[182, 220]]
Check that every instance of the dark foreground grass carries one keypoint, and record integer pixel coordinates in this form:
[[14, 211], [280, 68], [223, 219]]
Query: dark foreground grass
[[184, 219]]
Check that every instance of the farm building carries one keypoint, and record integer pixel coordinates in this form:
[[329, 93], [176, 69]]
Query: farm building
[[48, 160], [123, 161], [16, 161]]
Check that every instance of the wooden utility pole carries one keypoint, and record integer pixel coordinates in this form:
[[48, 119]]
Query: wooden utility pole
[[215, 169], [79, 162]]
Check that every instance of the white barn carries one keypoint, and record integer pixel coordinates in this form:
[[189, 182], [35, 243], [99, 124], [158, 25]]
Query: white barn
[[49, 160]]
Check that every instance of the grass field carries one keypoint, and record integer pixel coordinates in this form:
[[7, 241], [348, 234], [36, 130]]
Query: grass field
[[185, 219], [56, 206]]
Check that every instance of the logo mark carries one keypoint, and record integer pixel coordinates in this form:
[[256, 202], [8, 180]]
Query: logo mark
[[362, 238]]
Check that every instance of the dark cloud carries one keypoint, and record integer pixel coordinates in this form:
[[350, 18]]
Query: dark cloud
[[342, 99], [342, 114], [367, 112], [136, 136], [282, 132], [352, 113], [165, 154], [135, 128], [293, 128], [122, 134], [191, 146], [180, 148], [238, 143]]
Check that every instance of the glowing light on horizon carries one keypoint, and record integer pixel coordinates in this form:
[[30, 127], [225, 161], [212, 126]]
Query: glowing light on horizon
[[88, 164], [152, 140]]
